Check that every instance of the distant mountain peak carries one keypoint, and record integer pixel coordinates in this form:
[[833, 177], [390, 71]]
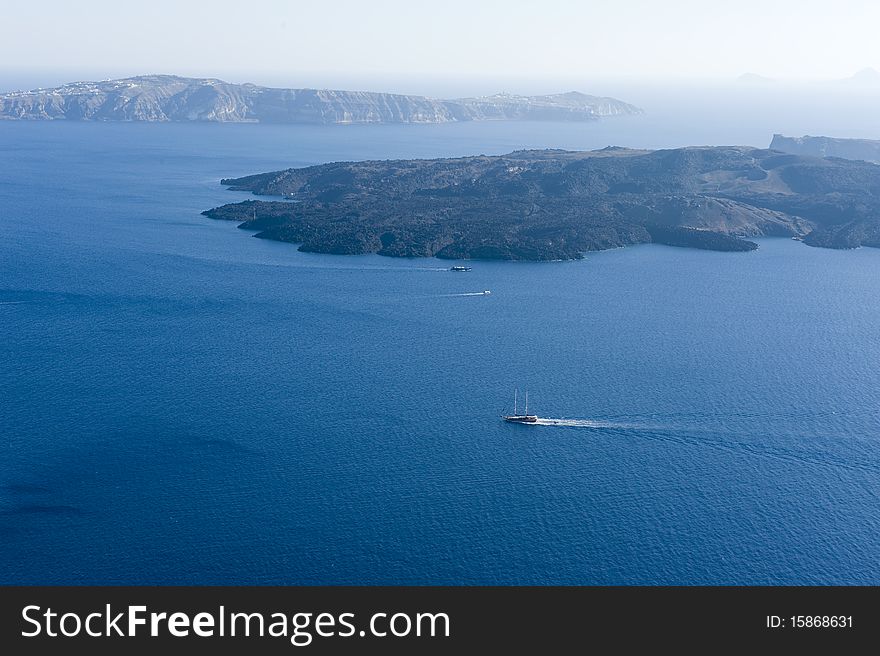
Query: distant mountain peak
[[867, 75], [754, 78]]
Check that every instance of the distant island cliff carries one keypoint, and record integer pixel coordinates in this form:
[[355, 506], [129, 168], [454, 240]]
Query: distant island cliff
[[552, 204], [864, 149], [173, 98]]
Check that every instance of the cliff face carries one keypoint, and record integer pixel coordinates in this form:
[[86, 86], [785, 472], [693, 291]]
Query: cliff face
[[572, 106], [860, 149], [172, 98], [545, 205]]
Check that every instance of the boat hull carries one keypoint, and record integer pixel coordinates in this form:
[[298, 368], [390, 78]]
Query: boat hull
[[522, 419]]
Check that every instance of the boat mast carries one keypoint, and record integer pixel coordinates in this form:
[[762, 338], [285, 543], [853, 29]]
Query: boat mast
[[514, 401], [527, 403]]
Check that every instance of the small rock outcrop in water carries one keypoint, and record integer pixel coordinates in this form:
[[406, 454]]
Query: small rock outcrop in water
[[551, 204], [173, 98], [861, 149]]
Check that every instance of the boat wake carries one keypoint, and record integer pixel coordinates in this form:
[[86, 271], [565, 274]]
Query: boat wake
[[483, 293], [579, 423]]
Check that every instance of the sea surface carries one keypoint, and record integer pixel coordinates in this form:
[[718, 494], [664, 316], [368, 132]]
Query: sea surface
[[182, 403]]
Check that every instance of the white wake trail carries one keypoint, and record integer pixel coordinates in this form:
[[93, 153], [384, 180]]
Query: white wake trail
[[579, 423]]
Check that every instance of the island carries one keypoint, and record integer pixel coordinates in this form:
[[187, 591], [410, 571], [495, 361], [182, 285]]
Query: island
[[863, 149], [173, 98], [558, 205]]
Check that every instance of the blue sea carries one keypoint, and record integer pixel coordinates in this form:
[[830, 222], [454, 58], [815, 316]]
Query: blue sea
[[182, 403]]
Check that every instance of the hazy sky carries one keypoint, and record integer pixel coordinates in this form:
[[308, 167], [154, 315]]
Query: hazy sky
[[777, 38]]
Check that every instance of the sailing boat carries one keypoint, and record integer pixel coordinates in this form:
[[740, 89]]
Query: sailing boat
[[524, 418]]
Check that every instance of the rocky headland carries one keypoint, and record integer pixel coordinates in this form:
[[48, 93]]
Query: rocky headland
[[862, 149]]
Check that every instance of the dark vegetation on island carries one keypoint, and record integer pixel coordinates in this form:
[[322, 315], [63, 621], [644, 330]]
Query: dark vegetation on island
[[557, 205]]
